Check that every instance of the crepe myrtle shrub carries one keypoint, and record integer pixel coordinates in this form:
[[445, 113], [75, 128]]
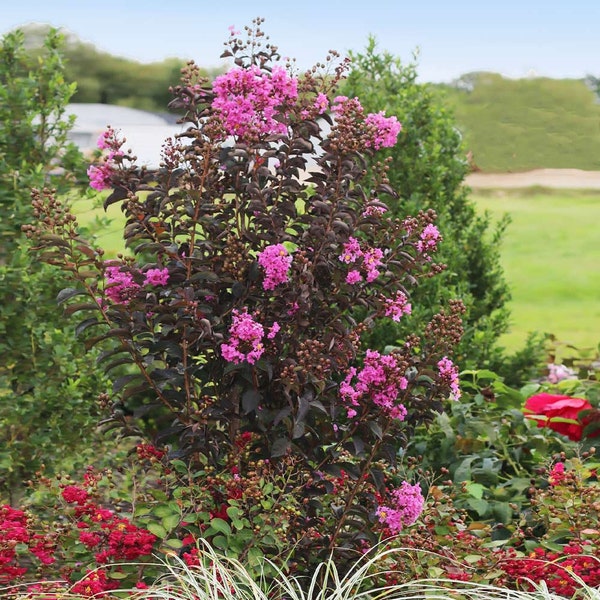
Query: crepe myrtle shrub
[[251, 249]]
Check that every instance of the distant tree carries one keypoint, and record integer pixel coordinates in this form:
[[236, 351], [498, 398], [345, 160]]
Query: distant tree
[[107, 79]]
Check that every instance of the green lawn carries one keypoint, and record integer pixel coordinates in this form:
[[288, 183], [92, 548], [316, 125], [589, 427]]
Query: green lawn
[[551, 257], [106, 227]]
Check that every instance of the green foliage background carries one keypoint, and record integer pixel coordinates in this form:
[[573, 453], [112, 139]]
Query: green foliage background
[[428, 167], [47, 390]]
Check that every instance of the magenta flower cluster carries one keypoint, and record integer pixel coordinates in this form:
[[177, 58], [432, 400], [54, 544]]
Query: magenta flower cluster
[[449, 375], [100, 175], [380, 131], [246, 338], [119, 286], [370, 261], [407, 505], [397, 306], [275, 262], [380, 382], [249, 101], [385, 130], [156, 276], [429, 239]]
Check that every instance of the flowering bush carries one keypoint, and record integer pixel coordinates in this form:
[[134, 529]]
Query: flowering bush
[[84, 546], [236, 315]]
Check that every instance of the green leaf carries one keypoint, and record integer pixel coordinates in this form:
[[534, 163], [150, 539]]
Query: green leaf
[[475, 489], [221, 526], [481, 507], [220, 541], [157, 529], [118, 574], [170, 522]]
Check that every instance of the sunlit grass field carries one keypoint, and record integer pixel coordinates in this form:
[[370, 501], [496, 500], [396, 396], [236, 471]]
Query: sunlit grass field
[[551, 257]]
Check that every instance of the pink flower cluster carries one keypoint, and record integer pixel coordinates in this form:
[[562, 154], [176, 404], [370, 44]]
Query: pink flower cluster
[[379, 131], [119, 286], [370, 261], [156, 276], [429, 239], [384, 129], [374, 211], [380, 381], [558, 372], [449, 375], [246, 335], [407, 505], [275, 262], [557, 474], [100, 175], [249, 101], [321, 103], [397, 306]]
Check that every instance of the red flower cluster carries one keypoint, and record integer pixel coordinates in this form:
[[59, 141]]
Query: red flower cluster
[[114, 538], [13, 525], [549, 410], [94, 584], [559, 571], [13, 531]]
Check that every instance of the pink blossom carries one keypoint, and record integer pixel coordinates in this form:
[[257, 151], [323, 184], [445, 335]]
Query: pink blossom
[[353, 277], [321, 103], [352, 251], [119, 286], [342, 105], [156, 276], [275, 262], [407, 505], [250, 101], [557, 373], [245, 342], [449, 376], [380, 381], [371, 262], [374, 211], [429, 239], [557, 474], [384, 130], [100, 176], [397, 306], [274, 330]]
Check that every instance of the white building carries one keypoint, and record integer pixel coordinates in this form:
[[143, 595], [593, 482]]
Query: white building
[[144, 131]]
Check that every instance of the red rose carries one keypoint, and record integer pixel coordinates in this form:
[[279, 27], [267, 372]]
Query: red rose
[[544, 408]]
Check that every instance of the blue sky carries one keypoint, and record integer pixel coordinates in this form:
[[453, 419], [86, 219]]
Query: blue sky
[[513, 37]]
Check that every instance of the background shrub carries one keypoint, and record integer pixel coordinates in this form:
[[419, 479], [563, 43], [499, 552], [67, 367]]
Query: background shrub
[[47, 388], [427, 168]]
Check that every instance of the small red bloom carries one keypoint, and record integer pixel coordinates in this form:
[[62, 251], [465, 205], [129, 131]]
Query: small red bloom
[[546, 408]]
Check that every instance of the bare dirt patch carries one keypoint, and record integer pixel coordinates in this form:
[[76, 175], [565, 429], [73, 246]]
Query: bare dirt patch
[[550, 178]]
